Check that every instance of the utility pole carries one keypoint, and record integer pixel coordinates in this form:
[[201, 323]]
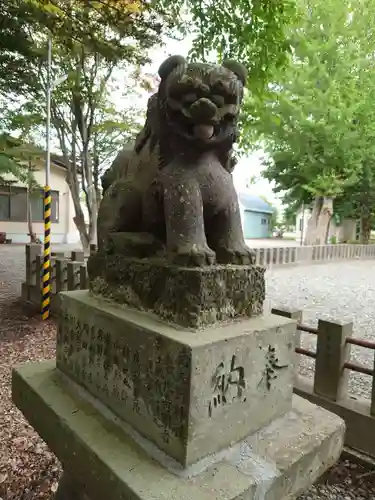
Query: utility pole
[[46, 279]]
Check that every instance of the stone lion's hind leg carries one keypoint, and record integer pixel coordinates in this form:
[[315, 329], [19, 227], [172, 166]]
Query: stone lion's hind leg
[[120, 211], [225, 237]]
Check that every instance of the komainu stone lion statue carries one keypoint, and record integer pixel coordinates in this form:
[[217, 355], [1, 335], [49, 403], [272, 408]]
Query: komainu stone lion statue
[[173, 193]]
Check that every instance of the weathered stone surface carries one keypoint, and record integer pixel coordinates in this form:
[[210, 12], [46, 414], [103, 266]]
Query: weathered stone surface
[[275, 463], [191, 297], [69, 489], [191, 393], [176, 183]]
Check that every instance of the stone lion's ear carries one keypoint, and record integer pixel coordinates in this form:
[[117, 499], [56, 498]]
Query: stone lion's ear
[[170, 64], [237, 68]]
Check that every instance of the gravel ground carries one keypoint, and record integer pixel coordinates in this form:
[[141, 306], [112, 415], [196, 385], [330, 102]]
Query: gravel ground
[[28, 471], [344, 291], [336, 291]]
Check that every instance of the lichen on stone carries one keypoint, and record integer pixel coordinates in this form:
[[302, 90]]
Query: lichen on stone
[[190, 297]]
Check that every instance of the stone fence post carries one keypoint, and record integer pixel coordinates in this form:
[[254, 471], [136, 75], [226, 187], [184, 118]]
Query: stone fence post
[[83, 277], [54, 256], [31, 251], [295, 314], [73, 278], [372, 405], [78, 256], [38, 273], [331, 378], [258, 256], [61, 275]]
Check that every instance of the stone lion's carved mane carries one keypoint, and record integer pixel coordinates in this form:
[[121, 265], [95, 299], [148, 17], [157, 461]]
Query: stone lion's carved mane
[[156, 133]]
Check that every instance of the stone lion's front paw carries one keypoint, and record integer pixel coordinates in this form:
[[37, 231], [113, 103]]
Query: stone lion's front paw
[[240, 255], [194, 256]]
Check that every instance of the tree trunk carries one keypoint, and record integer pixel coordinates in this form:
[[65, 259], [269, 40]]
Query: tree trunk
[[84, 123], [29, 212], [30, 220], [96, 174], [79, 221], [73, 181], [79, 218], [365, 229], [93, 231], [317, 226], [91, 195]]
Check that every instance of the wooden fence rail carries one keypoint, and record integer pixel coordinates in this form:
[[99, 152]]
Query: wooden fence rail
[[269, 257], [329, 386], [68, 272]]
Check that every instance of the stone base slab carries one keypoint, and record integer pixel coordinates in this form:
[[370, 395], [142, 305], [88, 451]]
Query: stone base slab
[[191, 297], [276, 463], [191, 393]]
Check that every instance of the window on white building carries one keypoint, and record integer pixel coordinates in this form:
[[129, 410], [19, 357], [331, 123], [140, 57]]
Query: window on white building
[[13, 204]]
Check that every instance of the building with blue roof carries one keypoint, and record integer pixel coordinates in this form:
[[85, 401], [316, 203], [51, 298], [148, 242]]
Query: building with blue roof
[[255, 216]]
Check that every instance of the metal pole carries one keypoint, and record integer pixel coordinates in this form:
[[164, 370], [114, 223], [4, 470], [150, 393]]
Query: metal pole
[[48, 124], [46, 292]]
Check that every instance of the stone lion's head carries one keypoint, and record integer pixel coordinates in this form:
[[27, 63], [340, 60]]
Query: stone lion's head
[[201, 102]]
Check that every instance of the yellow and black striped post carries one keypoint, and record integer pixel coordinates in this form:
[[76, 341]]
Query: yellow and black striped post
[[46, 279]]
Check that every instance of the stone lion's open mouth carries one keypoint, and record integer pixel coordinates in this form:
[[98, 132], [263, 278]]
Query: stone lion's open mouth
[[211, 131], [199, 120], [199, 131]]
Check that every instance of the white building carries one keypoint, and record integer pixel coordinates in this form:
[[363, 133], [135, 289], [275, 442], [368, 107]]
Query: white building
[[14, 207], [338, 230]]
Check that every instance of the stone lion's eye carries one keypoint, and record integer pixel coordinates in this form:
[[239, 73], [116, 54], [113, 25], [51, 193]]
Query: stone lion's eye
[[187, 80], [220, 87], [218, 100], [204, 89], [231, 100], [225, 90], [189, 98]]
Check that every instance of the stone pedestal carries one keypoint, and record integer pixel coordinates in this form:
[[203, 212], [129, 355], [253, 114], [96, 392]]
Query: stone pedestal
[[191, 297], [191, 393], [103, 457], [140, 409]]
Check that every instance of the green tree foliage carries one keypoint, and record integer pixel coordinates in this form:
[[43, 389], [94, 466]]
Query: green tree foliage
[[14, 160], [358, 200], [251, 31], [87, 128], [117, 31], [17, 165], [290, 215], [275, 213], [15, 47], [316, 122], [92, 39], [274, 218]]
